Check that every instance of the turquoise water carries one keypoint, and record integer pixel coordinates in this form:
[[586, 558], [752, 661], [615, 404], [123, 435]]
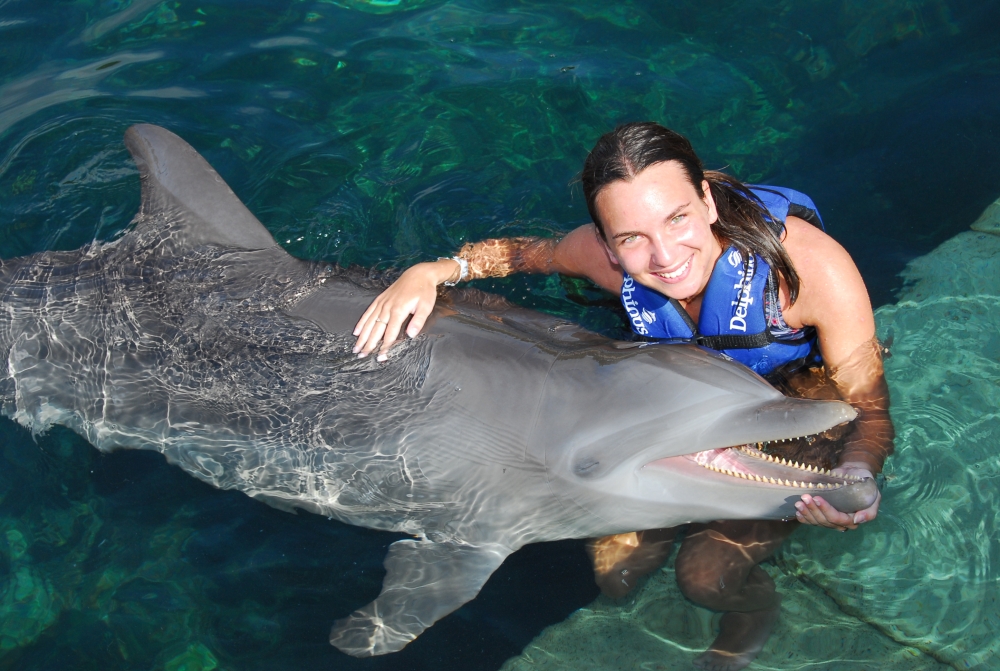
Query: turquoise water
[[381, 133]]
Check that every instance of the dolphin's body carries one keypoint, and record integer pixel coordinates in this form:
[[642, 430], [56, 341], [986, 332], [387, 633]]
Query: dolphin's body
[[197, 336]]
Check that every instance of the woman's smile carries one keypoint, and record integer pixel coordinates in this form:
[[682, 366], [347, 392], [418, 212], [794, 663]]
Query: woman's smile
[[677, 275]]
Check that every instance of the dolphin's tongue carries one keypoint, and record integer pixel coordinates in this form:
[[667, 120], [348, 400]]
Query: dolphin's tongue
[[748, 463]]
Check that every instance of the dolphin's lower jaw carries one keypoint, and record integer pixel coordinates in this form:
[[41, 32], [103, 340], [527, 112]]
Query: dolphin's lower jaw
[[760, 476]]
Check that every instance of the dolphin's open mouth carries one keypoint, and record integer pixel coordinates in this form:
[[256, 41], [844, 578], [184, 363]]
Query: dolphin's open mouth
[[752, 463]]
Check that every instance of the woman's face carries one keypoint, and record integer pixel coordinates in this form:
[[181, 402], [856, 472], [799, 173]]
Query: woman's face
[[660, 231]]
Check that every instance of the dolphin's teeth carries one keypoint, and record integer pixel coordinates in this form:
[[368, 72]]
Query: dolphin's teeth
[[784, 462], [771, 481], [812, 485], [787, 483]]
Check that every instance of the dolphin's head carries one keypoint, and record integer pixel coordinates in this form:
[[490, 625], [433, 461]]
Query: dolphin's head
[[672, 433]]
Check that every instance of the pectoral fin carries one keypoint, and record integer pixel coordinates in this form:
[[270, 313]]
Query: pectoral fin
[[424, 582]]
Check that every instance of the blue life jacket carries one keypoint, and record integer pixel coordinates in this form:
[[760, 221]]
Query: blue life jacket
[[732, 318]]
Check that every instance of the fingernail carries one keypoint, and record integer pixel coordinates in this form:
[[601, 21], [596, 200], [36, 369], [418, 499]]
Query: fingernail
[[382, 357], [362, 355], [354, 350], [799, 506]]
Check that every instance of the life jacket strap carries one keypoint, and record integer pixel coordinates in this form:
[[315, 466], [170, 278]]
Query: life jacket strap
[[720, 342]]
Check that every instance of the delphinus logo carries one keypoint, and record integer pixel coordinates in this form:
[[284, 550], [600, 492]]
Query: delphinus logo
[[743, 297], [631, 307], [735, 258], [648, 317]]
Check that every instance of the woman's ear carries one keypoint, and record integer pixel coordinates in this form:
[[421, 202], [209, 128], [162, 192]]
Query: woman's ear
[[713, 212]]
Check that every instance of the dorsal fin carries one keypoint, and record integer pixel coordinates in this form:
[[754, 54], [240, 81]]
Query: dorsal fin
[[176, 178]]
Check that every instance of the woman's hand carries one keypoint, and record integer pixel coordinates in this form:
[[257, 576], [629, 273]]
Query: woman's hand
[[414, 293], [815, 510]]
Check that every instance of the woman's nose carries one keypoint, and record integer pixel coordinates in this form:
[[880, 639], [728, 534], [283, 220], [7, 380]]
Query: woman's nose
[[660, 252]]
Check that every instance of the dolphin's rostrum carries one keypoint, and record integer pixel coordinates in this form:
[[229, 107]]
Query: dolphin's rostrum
[[197, 336]]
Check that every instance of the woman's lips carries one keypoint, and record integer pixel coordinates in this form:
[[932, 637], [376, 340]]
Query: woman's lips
[[677, 275]]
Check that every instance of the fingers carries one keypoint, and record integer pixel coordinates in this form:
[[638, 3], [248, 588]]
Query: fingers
[[414, 293], [367, 314], [371, 333], [419, 318], [369, 329], [869, 513], [815, 510], [392, 329], [383, 321]]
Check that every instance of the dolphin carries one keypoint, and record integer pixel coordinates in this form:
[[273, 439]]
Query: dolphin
[[196, 335]]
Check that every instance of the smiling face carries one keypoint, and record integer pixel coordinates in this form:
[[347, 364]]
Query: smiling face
[[659, 230]]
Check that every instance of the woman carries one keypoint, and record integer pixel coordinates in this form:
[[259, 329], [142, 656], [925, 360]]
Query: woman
[[695, 254]]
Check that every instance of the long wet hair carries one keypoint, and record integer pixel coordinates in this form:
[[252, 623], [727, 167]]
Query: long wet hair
[[743, 222]]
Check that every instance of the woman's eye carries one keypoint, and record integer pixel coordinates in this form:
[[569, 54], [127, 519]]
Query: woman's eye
[[678, 219], [629, 239]]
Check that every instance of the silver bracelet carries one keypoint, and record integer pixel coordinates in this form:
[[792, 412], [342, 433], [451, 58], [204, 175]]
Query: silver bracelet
[[463, 266]]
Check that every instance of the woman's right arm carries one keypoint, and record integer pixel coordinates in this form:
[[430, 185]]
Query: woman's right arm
[[580, 254]]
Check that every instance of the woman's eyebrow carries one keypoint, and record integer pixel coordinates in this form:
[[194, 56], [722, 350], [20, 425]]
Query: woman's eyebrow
[[676, 211]]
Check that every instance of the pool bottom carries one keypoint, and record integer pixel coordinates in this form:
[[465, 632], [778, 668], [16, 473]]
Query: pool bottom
[[656, 628]]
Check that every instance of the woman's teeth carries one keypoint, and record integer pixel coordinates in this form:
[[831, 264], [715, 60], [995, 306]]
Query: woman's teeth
[[677, 273]]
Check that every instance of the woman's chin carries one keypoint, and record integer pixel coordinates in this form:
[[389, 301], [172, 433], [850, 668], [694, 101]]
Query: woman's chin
[[680, 289]]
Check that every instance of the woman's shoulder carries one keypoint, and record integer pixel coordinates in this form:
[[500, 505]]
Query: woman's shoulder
[[829, 279], [812, 250]]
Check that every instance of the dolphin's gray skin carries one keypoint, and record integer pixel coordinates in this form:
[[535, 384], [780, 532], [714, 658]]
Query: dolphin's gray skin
[[197, 336]]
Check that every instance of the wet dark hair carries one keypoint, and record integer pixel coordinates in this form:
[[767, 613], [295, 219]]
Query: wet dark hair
[[743, 222]]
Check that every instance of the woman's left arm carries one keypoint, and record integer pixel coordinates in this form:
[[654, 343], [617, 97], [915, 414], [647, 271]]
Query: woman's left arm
[[834, 300]]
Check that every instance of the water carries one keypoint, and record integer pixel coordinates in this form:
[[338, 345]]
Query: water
[[381, 133]]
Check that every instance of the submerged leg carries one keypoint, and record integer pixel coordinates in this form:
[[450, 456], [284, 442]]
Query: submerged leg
[[620, 560], [717, 568]]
